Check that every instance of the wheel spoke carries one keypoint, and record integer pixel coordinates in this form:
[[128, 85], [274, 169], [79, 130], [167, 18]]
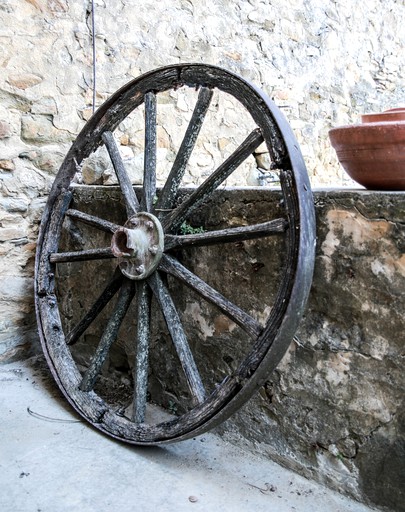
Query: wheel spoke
[[264, 229], [177, 217], [170, 189], [142, 353], [125, 297], [131, 201], [236, 314], [149, 176], [91, 220], [178, 336], [89, 254], [110, 290]]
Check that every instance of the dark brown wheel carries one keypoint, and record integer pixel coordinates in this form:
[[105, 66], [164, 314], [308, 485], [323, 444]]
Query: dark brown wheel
[[144, 261]]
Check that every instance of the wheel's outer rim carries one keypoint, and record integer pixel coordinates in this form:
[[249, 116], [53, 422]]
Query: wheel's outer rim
[[238, 388]]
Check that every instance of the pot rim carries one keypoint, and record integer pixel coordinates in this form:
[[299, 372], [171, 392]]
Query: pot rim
[[376, 126]]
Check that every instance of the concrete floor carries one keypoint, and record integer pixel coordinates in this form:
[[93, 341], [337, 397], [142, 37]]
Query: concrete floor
[[52, 461]]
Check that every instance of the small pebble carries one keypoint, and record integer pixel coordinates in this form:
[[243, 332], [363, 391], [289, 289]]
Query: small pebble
[[193, 499]]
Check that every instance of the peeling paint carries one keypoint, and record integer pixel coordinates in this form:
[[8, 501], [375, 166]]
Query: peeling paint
[[193, 310], [337, 368]]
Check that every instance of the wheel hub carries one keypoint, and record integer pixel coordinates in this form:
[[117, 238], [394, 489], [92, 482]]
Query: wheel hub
[[138, 245]]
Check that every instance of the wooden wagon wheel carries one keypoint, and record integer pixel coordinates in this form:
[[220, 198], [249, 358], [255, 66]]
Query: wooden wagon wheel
[[145, 250]]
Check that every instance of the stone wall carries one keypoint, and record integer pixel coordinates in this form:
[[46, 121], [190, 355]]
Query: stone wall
[[324, 63]]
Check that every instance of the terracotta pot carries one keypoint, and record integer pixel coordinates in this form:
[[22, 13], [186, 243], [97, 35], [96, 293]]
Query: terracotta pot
[[373, 153]]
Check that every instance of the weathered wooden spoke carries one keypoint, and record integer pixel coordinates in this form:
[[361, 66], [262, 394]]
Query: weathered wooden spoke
[[237, 315], [142, 352], [179, 215], [144, 267], [149, 177], [108, 293], [171, 187], [223, 236], [125, 297], [131, 201], [91, 220], [85, 255], [180, 342]]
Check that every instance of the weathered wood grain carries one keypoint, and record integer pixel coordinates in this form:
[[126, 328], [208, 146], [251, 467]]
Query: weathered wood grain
[[108, 293], [169, 192], [131, 201], [178, 337], [91, 220], [85, 255], [149, 175], [141, 365], [53, 219], [223, 236], [179, 215], [125, 297]]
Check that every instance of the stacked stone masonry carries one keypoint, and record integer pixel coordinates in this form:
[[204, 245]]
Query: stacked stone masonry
[[323, 62]]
